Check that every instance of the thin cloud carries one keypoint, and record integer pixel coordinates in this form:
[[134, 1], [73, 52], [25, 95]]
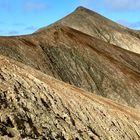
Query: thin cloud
[[1, 31], [134, 25], [31, 28], [33, 6], [123, 22], [86, 2], [14, 32], [123, 5], [1, 22], [6, 5], [18, 24]]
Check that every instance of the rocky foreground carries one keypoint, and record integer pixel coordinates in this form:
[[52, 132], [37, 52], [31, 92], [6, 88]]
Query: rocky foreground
[[36, 106]]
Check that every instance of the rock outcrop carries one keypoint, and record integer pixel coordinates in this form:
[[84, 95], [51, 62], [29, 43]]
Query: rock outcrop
[[36, 106]]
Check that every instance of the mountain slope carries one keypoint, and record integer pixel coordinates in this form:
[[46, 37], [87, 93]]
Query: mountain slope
[[81, 60], [92, 23], [36, 106]]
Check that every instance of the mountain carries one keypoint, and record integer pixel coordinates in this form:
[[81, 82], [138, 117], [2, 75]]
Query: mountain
[[36, 106], [66, 81], [94, 24], [81, 60]]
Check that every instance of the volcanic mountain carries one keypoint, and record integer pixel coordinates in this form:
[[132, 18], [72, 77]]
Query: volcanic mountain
[[78, 78], [94, 24]]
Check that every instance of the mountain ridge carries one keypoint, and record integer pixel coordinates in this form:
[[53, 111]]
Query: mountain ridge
[[98, 26]]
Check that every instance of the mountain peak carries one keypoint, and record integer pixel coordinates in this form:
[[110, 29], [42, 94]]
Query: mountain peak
[[100, 27], [81, 8]]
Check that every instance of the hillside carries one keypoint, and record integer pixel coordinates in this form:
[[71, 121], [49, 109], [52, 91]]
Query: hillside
[[36, 106], [81, 60]]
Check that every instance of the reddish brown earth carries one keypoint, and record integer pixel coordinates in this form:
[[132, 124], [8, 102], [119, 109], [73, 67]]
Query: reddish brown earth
[[36, 106]]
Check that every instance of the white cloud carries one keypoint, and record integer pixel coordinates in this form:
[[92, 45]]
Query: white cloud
[[18, 24], [86, 2], [134, 25], [1, 31], [13, 32], [31, 28], [31, 6], [6, 5], [122, 4]]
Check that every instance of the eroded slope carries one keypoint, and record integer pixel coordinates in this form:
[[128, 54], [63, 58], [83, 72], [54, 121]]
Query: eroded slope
[[36, 106]]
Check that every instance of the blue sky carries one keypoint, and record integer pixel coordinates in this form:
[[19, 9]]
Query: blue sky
[[19, 17]]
